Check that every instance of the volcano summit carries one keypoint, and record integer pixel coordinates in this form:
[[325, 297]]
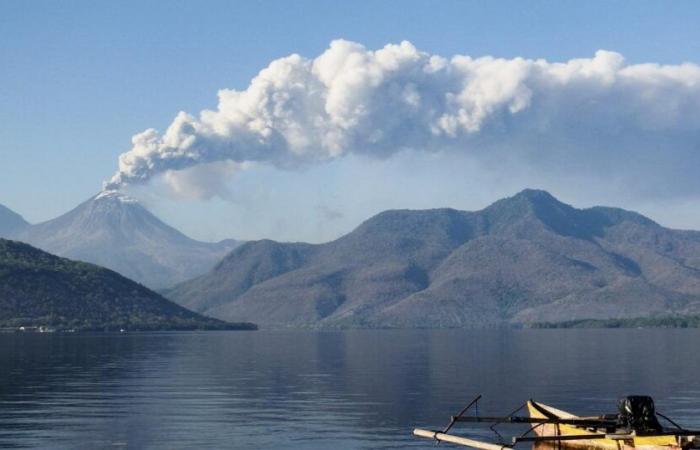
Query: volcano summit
[[115, 231]]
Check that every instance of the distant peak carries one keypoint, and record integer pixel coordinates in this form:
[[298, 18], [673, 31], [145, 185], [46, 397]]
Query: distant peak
[[10, 221], [536, 195], [109, 194], [529, 200]]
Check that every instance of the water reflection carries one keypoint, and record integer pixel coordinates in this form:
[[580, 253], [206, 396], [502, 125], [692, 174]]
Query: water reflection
[[354, 389]]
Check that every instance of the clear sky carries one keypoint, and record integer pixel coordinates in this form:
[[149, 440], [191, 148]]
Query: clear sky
[[79, 78]]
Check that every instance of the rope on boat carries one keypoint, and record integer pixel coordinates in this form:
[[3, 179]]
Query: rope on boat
[[495, 424], [492, 427], [531, 429], [670, 421], [453, 419]]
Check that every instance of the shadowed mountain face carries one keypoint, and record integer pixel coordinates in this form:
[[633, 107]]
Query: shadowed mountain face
[[524, 259], [37, 288], [10, 222], [115, 231]]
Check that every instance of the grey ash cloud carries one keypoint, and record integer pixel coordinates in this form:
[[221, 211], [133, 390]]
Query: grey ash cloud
[[599, 115]]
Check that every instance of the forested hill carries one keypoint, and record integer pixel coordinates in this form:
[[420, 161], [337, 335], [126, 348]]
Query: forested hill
[[523, 260], [40, 289]]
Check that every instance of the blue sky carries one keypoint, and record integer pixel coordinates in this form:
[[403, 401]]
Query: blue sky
[[78, 79]]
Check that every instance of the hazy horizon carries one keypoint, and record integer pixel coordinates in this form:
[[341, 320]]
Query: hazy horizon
[[330, 214], [310, 136]]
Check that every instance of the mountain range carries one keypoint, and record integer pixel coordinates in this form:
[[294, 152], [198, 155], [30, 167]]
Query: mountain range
[[40, 289], [10, 222], [523, 260], [117, 232]]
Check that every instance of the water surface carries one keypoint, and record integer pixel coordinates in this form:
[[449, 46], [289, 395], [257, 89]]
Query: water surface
[[320, 390]]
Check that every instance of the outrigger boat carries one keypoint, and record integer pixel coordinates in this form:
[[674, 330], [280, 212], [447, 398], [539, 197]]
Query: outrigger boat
[[635, 426]]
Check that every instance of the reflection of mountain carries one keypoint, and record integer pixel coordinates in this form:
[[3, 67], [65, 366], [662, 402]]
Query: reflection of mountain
[[37, 288], [116, 232], [58, 389], [524, 259], [318, 390]]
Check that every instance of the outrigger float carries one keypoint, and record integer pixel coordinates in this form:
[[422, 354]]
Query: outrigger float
[[635, 426]]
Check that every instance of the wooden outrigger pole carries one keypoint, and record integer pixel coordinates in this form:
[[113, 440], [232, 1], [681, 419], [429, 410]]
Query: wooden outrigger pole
[[635, 426], [442, 437], [582, 422]]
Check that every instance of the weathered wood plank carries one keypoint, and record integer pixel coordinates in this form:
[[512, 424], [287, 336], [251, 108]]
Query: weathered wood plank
[[458, 440]]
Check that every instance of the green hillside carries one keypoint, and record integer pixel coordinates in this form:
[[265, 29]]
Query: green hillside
[[40, 289]]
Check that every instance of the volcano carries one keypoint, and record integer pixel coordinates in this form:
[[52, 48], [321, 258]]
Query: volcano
[[115, 231]]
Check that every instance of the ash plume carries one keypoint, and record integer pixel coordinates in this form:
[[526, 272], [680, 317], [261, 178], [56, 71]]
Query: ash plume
[[582, 115]]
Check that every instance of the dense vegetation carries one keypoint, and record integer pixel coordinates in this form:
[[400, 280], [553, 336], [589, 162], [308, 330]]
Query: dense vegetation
[[40, 289], [637, 322]]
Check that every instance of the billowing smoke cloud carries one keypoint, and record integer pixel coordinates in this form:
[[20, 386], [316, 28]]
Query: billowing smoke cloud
[[204, 180], [597, 114]]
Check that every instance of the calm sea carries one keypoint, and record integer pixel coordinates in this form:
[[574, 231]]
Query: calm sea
[[320, 390]]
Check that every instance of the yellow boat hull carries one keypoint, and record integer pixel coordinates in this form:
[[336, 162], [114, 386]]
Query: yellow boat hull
[[636, 442]]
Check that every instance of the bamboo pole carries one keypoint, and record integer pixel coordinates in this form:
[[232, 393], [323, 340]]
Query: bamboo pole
[[458, 440], [578, 421], [561, 437]]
